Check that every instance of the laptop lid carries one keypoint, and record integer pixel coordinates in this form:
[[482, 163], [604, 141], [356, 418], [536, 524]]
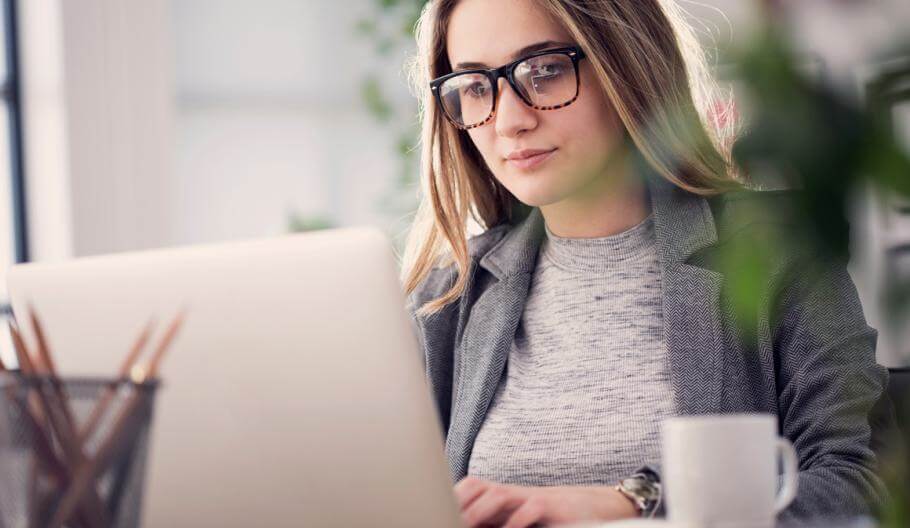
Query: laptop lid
[[294, 394]]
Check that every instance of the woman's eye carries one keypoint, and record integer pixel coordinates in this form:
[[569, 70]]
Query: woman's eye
[[548, 70], [476, 89]]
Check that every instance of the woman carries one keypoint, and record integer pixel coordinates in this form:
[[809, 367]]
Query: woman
[[577, 134]]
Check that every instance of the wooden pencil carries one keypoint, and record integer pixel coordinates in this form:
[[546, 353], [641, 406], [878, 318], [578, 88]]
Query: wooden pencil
[[49, 416], [54, 405], [126, 426], [88, 429]]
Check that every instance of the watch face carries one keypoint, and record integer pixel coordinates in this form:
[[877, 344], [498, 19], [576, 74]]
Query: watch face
[[640, 488]]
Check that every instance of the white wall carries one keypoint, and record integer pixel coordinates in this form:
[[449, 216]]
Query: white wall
[[269, 117], [97, 84], [162, 122]]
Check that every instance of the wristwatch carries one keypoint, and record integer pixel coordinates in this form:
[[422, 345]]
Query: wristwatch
[[643, 489]]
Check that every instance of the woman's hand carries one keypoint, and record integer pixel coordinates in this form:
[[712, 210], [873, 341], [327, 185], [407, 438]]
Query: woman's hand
[[484, 503]]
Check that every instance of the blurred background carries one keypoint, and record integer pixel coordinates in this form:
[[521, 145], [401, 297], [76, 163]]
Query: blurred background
[[132, 124]]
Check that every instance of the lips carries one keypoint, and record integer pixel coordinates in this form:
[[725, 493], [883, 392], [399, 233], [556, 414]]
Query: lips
[[529, 159], [527, 153]]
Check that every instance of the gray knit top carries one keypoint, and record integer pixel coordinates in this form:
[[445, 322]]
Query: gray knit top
[[587, 379]]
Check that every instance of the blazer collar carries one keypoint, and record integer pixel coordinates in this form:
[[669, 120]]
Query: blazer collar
[[683, 225]]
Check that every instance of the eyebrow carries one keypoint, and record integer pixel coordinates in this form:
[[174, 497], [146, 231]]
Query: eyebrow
[[523, 51]]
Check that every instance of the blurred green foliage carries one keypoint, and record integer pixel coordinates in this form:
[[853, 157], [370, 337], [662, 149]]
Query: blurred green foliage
[[821, 142], [828, 145], [389, 28], [298, 223]]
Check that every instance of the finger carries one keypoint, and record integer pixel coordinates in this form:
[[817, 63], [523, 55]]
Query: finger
[[494, 504], [530, 512], [469, 489]]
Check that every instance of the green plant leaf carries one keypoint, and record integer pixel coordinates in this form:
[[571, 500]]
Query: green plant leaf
[[371, 93]]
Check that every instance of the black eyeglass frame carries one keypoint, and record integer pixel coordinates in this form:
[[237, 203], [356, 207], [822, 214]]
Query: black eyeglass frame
[[508, 71]]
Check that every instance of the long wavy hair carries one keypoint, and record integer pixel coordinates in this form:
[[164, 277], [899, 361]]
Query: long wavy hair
[[648, 63]]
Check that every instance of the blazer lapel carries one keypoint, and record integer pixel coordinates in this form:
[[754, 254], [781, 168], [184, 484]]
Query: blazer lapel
[[684, 224], [487, 336]]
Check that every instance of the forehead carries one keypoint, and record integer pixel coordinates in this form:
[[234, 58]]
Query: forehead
[[490, 31]]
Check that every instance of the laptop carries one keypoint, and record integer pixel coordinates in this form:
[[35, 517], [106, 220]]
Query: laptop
[[294, 394]]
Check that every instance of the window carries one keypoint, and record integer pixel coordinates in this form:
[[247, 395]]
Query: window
[[13, 246], [13, 243]]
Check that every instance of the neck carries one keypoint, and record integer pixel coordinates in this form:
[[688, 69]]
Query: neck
[[612, 204]]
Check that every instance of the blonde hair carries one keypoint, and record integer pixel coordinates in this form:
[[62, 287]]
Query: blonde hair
[[649, 65]]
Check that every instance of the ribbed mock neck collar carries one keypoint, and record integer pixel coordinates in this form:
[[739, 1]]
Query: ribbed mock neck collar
[[600, 254]]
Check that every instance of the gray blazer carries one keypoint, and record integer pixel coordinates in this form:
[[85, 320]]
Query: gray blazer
[[811, 362]]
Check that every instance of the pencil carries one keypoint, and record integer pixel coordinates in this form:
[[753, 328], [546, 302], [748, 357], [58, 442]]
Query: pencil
[[55, 407], [107, 397], [126, 426]]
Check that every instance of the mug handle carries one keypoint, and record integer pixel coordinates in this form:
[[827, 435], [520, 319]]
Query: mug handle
[[791, 475]]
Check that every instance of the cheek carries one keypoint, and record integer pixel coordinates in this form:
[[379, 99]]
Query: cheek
[[596, 128], [485, 143], [602, 118], [597, 112]]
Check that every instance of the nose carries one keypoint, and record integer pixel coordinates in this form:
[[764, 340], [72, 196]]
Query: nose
[[513, 116]]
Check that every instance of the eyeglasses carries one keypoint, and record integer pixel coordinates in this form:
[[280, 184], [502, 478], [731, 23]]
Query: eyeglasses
[[544, 80]]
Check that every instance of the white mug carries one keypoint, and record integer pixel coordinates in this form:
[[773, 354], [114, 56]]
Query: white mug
[[722, 470]]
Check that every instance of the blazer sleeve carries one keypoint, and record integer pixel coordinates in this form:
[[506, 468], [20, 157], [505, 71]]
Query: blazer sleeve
[[828, 383]]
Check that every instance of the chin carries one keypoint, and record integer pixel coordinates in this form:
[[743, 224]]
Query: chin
[[539, 188], [535, 197]]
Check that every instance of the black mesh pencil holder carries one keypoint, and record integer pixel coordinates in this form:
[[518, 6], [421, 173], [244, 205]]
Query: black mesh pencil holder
[[73, 451]]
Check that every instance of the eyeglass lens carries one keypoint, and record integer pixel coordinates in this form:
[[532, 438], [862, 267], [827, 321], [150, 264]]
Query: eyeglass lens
[[545, 81]]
